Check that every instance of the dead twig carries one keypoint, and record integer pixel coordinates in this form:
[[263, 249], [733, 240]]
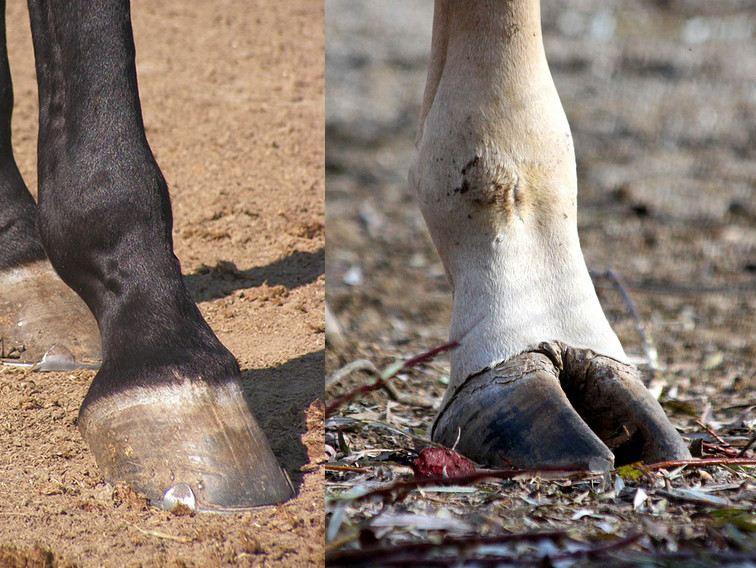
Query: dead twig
[[712, 433], [402, 487], [721, 447], [727, 451], [649, 351], [387, 374], [162, 535], [348, 369], [349, 468], [391, 390], [747, 446], [704, 462]]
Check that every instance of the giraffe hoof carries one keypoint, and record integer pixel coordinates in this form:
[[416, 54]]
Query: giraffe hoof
[[40, 315], [558, 407], [611, 398], [517, 414], [199, 441]]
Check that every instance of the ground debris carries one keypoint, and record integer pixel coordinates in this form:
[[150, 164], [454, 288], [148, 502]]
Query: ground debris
[[395, 499]]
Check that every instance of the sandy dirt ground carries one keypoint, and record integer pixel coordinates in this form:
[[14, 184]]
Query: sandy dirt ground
[[661, 100], [233, 101]]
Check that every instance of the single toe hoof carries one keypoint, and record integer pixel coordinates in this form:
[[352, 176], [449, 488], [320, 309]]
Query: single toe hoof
[[188, 443], [613, 401], [39, 312], [517, 414]]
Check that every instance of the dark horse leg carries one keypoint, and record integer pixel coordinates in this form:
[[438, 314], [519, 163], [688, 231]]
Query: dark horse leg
[[166, 409], [37, 311]]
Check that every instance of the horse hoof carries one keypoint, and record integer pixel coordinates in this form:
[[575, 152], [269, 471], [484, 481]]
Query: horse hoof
[[613, 401], [187, 442], [517, 414], [39, 312]]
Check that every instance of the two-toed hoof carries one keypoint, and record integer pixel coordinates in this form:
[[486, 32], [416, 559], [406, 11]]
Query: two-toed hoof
[[558, 407], [187, 442], [39, 312]]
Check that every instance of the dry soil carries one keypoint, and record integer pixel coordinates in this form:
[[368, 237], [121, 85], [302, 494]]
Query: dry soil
[[233, 102]]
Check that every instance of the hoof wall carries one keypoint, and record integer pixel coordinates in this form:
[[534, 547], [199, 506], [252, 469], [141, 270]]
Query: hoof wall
[[185, 443], [613, 401], [558, 407], [40, 315], [517, 415]]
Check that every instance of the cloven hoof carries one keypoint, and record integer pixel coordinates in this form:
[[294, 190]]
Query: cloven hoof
[[39, 312], [188, 442], [558, 407]]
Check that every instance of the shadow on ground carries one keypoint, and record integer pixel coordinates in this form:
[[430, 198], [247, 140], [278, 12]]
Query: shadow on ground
[[214, 282], [279, 398]]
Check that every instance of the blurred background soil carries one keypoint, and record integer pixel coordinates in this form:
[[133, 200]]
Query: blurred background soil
[[233, 103], [661, 98]]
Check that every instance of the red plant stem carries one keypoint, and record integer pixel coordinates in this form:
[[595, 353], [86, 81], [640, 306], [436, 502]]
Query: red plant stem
[[428, 355], [343, 399], [702, 462], [726, 450], [713, 434], [482, 474], [380, 381], [404, 486]]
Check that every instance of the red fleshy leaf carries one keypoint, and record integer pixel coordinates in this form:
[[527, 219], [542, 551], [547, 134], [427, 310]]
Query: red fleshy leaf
[[442, 462]]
